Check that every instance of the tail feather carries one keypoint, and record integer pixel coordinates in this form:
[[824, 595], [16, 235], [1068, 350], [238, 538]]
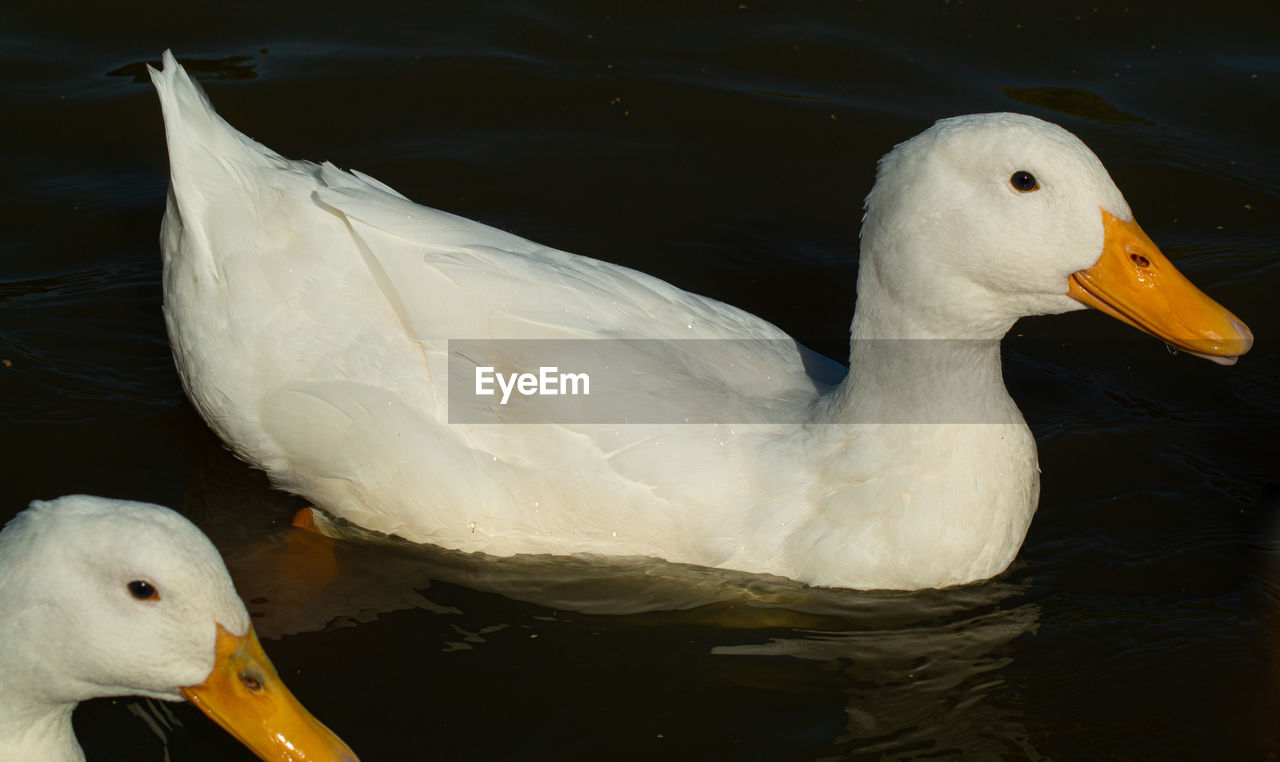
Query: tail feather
[[194, 130], [203, 147], [207, 157]]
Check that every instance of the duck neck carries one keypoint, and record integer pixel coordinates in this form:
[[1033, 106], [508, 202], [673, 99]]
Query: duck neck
[[903, 369], [34, 730], [35, 703]]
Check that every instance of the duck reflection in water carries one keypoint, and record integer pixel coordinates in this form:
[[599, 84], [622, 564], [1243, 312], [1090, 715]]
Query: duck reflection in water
[[906, 671]]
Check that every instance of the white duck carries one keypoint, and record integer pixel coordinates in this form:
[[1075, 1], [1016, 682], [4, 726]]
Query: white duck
[[106, 597], [310, 312]]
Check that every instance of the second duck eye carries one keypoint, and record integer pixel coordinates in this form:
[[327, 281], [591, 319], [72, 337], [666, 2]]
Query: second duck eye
[[1024, 181], [143, 590]]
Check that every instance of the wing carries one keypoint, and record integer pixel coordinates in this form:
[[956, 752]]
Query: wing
[[451, 278]]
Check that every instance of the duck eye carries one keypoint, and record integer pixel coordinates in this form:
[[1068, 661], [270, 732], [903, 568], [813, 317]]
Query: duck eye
[[143, 590], [1024, 181]]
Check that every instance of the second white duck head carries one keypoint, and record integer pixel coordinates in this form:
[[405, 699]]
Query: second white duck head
[[104, 597]]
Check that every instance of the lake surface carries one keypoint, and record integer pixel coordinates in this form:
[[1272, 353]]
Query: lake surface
[[725, 147]]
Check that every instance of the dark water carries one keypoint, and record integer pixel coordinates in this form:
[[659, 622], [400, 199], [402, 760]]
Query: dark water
[[725, 147]]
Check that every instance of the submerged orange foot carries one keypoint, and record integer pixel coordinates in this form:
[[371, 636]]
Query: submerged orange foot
[[305, 518]]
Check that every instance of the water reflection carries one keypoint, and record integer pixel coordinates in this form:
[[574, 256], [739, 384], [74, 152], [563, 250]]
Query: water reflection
[[921, 689], [913, 674], [228, 67]]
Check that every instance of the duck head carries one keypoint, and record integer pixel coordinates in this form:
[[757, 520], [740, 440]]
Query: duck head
[[983, 219], [114, 598]]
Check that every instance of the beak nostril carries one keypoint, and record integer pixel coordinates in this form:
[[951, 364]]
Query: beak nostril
[[1140, 260], [253, 684]]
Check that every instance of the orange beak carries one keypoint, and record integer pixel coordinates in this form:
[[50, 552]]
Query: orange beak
[[245, 696], [1134, 282]]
